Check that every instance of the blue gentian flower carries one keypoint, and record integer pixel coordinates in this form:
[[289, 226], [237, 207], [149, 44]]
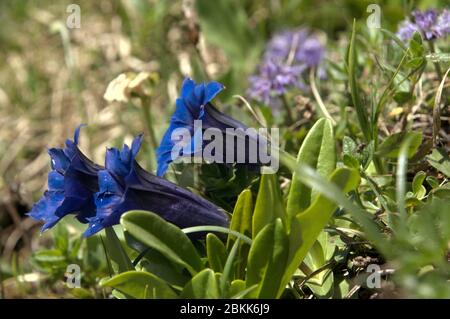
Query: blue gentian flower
[[430, 23], [71, 186], [124, 186], [194, 104]]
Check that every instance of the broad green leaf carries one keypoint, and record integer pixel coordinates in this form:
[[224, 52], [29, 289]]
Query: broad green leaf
[[416, 47], [269, 203], [140, 285], [162, 267], [204, 285], [307, 225], [318, 257], [242, 223], [217, 229], [440, 160], [216, 252], [417, 185], [237, 286], [116, 252], [267, 260], [334, 193], [350, 161], [390, 147], [241, 220], [317, 151], [169, 240]]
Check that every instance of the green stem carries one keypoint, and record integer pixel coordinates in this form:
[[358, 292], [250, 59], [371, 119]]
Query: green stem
[[290, 118], [436, 64], [148, 121]]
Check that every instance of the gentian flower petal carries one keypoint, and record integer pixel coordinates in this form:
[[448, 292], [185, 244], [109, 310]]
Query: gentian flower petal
[[71, 186], [131, 187], [193, 104]]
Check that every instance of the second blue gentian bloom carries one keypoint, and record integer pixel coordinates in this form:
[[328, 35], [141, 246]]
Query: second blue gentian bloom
[[124, 186], [194, 104]]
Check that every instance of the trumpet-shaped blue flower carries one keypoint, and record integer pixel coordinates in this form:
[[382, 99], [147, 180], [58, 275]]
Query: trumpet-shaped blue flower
[[125, 186], [71, 186], [193, 104]]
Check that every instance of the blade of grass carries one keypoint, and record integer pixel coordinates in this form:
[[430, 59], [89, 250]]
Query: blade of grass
[[217, 229]]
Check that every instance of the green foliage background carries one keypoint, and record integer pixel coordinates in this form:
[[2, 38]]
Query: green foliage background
[[378, 191]]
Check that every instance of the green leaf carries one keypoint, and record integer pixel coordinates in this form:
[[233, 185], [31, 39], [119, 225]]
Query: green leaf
[[140, 285], [317, 151], [350, 161], [241, 220], [237, 286], [417, 184], [61, 237], [162, 267], [438, 57], [349, 146], [50, 259], [307, 225], [432, 181], [318, 257], [416, 46], [227, 275], [204, 285], [269, 203], [116, 252], [440, 160], [169, 240], [242, 223], [267, 260], [354, 88], [217, 229], [216, 252], [390, 147]]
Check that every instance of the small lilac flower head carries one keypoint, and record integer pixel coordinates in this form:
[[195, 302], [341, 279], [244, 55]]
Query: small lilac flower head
[[429, 23], [287, 56], [124, 186], [296, 47], [71, 186], [426, 22], [311, 53], [443, 24], [406, 30], [273, 80], [281, 44]]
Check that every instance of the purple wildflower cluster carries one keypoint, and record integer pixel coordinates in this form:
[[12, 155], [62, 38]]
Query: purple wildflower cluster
[[430, 23], [288, 54]]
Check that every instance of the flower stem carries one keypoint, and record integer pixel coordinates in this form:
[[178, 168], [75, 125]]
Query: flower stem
[[315, 91], [436, 64], [290, 118], [148, 121]]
